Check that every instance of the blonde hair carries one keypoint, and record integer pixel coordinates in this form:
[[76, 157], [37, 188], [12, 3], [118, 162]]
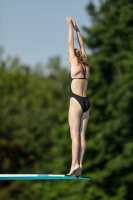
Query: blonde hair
[[81, 57]]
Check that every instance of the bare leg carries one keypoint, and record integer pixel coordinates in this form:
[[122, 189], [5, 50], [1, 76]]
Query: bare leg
[[74, 117], [84, 122]]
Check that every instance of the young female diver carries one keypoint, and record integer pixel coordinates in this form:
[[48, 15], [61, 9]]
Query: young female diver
[[79, 104]]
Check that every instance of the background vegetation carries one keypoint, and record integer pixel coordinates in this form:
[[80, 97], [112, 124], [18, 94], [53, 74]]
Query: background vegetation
[[34, 132]]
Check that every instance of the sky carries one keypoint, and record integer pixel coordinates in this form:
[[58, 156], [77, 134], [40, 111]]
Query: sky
[[36, 30]]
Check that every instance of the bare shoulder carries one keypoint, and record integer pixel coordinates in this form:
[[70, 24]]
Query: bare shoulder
[[74, 61]]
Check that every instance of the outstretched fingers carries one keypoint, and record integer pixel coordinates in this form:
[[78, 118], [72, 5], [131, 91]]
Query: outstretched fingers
[[69, 19]]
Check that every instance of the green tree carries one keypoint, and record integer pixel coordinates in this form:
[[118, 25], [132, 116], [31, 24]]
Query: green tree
[[110, 145], [32, 119]]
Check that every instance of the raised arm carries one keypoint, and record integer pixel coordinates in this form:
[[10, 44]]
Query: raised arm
[[80, 39], [70, 33], [71, 39]]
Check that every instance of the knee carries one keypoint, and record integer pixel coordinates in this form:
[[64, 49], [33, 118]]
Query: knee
[[82, 137], [75, 134]]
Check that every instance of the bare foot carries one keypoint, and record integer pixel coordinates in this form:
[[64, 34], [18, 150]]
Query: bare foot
[[78, 172], [73, 169]]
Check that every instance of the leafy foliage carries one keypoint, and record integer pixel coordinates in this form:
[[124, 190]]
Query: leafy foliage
[[110, 147]]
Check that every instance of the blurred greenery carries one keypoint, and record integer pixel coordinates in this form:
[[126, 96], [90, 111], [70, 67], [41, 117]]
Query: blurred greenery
[[34, 131]]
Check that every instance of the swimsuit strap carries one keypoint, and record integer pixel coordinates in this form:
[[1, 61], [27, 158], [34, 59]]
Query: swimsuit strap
[[84, 72]]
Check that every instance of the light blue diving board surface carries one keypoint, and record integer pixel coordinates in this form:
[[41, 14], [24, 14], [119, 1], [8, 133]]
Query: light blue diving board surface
[[40, 177]]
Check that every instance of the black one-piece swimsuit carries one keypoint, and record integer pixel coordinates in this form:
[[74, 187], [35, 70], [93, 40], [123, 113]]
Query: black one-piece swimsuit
[[83, 101]]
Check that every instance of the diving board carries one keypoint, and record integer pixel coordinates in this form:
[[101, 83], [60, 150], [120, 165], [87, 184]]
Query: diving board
[[40, 177]]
